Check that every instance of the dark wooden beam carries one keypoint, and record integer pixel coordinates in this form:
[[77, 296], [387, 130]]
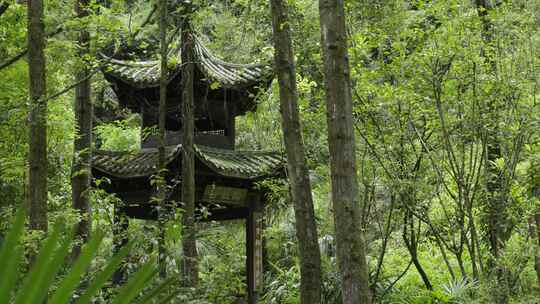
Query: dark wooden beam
[[215, 213], [141, 212], [225, 214]]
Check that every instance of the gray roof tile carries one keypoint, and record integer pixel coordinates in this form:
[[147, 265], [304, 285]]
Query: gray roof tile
[[227, 163], [145, 74]]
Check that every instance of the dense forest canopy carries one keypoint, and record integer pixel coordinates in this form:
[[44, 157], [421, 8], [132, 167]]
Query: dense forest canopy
[[429, 107]]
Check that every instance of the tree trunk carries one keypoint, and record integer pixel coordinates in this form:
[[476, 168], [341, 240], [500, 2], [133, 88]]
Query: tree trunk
[[496, 206], [351, 251], [493, 183], [411, 239], [459, 258], [81, 174], [161, 189], [190, 262], [537, 255], [37, 156], [306, 229], [420, 269]]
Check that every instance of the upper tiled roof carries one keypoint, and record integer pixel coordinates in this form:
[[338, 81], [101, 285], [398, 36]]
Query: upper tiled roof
[[145, 74], [227, 163]]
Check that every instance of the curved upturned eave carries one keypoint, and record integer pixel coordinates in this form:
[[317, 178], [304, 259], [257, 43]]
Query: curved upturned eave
[[146, 74]]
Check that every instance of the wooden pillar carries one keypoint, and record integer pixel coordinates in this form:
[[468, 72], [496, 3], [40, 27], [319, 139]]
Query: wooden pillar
[[254, 267], [120, 239], [231, 124]]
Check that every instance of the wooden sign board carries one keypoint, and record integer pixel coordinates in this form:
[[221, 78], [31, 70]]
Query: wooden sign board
[[225, 195]]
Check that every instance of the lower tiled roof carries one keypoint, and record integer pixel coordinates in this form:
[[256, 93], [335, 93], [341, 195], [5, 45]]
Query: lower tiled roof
[[240, 164], [130, 164], [227, 163]]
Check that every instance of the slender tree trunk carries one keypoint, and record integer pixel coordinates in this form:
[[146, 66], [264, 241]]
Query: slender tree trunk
[[459, 259], [410, 238], [189, 244], [496, 206], [537, 255], [445, 257], [351, 251], [161, 189], [420, 269], [306, 229], [81, 174], [493, 183], [37, 156], [475, 244]]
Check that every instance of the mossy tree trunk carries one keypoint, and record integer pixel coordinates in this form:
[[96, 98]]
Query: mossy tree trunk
[[496, 218], [536, 224], [189, 246], [351, 251], [37, 156], [81, 173], [306, 229], [534, 230], [161, 187]]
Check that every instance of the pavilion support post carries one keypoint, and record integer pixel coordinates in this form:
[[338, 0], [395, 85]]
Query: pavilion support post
[[254, 249], [120, 239]]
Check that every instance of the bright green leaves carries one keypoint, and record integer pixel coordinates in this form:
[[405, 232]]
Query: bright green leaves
[[42, 277], [137, 282], [10, 256], [102, 277], [121, 135], [72, 280], [44, 269], [172, 63]]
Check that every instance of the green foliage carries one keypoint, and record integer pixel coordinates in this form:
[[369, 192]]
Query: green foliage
[[223, 250], [283, 287], [119, 136], [42, 281]]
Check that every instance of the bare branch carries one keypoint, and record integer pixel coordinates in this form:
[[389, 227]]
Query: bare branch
[[374, 151], [71, 86], [22, 53], [145, 22]]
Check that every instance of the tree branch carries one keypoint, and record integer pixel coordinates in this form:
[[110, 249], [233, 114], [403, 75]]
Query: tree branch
[[145, 22], [22, 53], [71, 86], [403, 273]]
